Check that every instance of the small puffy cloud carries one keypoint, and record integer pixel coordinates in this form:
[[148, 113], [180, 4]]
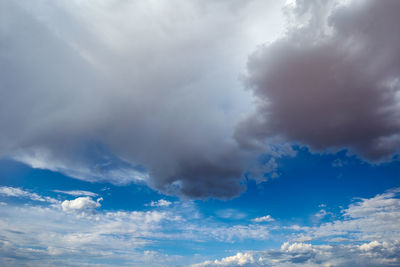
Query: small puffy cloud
[[266, 218], [77, 193], [160, 203], [370, 246], [80, 204]]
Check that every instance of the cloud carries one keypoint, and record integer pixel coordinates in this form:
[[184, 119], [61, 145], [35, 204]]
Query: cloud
[[77, 193], [240, 259], [76, 235], [81, 204], [266, 218], [160, 203], [366, 235], [303, 254], [146, 94], [232, 214], [331, 82], [20, 193]]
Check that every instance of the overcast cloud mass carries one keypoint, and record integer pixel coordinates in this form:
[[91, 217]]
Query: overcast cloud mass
[[130, 90], [148, 92]]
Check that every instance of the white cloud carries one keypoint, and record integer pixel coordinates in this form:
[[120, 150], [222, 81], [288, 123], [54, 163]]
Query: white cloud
[[77, 193], [367, 235], [239, 259], [20, 193], [160, 203], [81, 204], [109, 236], [232, 214], [266, 218]]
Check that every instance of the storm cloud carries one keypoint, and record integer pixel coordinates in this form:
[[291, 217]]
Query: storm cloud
[[332, 81], [126, 91], [143, 91]]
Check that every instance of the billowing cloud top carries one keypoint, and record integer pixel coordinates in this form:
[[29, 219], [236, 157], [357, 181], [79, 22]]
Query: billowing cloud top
[[332, 81]]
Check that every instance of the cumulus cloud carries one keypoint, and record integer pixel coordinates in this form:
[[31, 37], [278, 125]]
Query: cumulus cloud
[[81, 204], [240, 259], [147, 93], [332, 81]]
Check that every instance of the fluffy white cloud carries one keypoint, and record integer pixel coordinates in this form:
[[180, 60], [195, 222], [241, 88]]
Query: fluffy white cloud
[[81, 204], [239, 259]]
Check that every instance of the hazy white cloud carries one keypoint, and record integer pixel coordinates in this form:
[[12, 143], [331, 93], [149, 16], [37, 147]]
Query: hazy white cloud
[[20, 193], [160, 203], [77, 193], [266, 218], [77, 235], [232, 214]]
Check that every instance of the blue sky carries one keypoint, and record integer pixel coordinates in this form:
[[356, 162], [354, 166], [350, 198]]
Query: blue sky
[[199, 133]]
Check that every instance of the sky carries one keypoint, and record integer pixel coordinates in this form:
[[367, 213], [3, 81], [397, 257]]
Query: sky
[[199, 133]]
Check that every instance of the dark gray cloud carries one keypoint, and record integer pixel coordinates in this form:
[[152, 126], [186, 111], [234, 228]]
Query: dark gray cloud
[[129, 91], [332, 81]]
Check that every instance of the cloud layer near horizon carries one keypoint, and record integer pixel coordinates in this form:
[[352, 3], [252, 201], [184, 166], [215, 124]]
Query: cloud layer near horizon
[[79, 232]]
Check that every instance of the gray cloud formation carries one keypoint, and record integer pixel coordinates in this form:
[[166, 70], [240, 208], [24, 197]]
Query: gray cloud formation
[[332, 81], [127, 91]]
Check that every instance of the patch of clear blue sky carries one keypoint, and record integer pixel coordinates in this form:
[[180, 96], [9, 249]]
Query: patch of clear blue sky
[[307, 181]]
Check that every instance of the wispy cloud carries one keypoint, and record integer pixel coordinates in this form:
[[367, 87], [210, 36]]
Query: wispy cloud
[[77, 193], [21, 193]]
